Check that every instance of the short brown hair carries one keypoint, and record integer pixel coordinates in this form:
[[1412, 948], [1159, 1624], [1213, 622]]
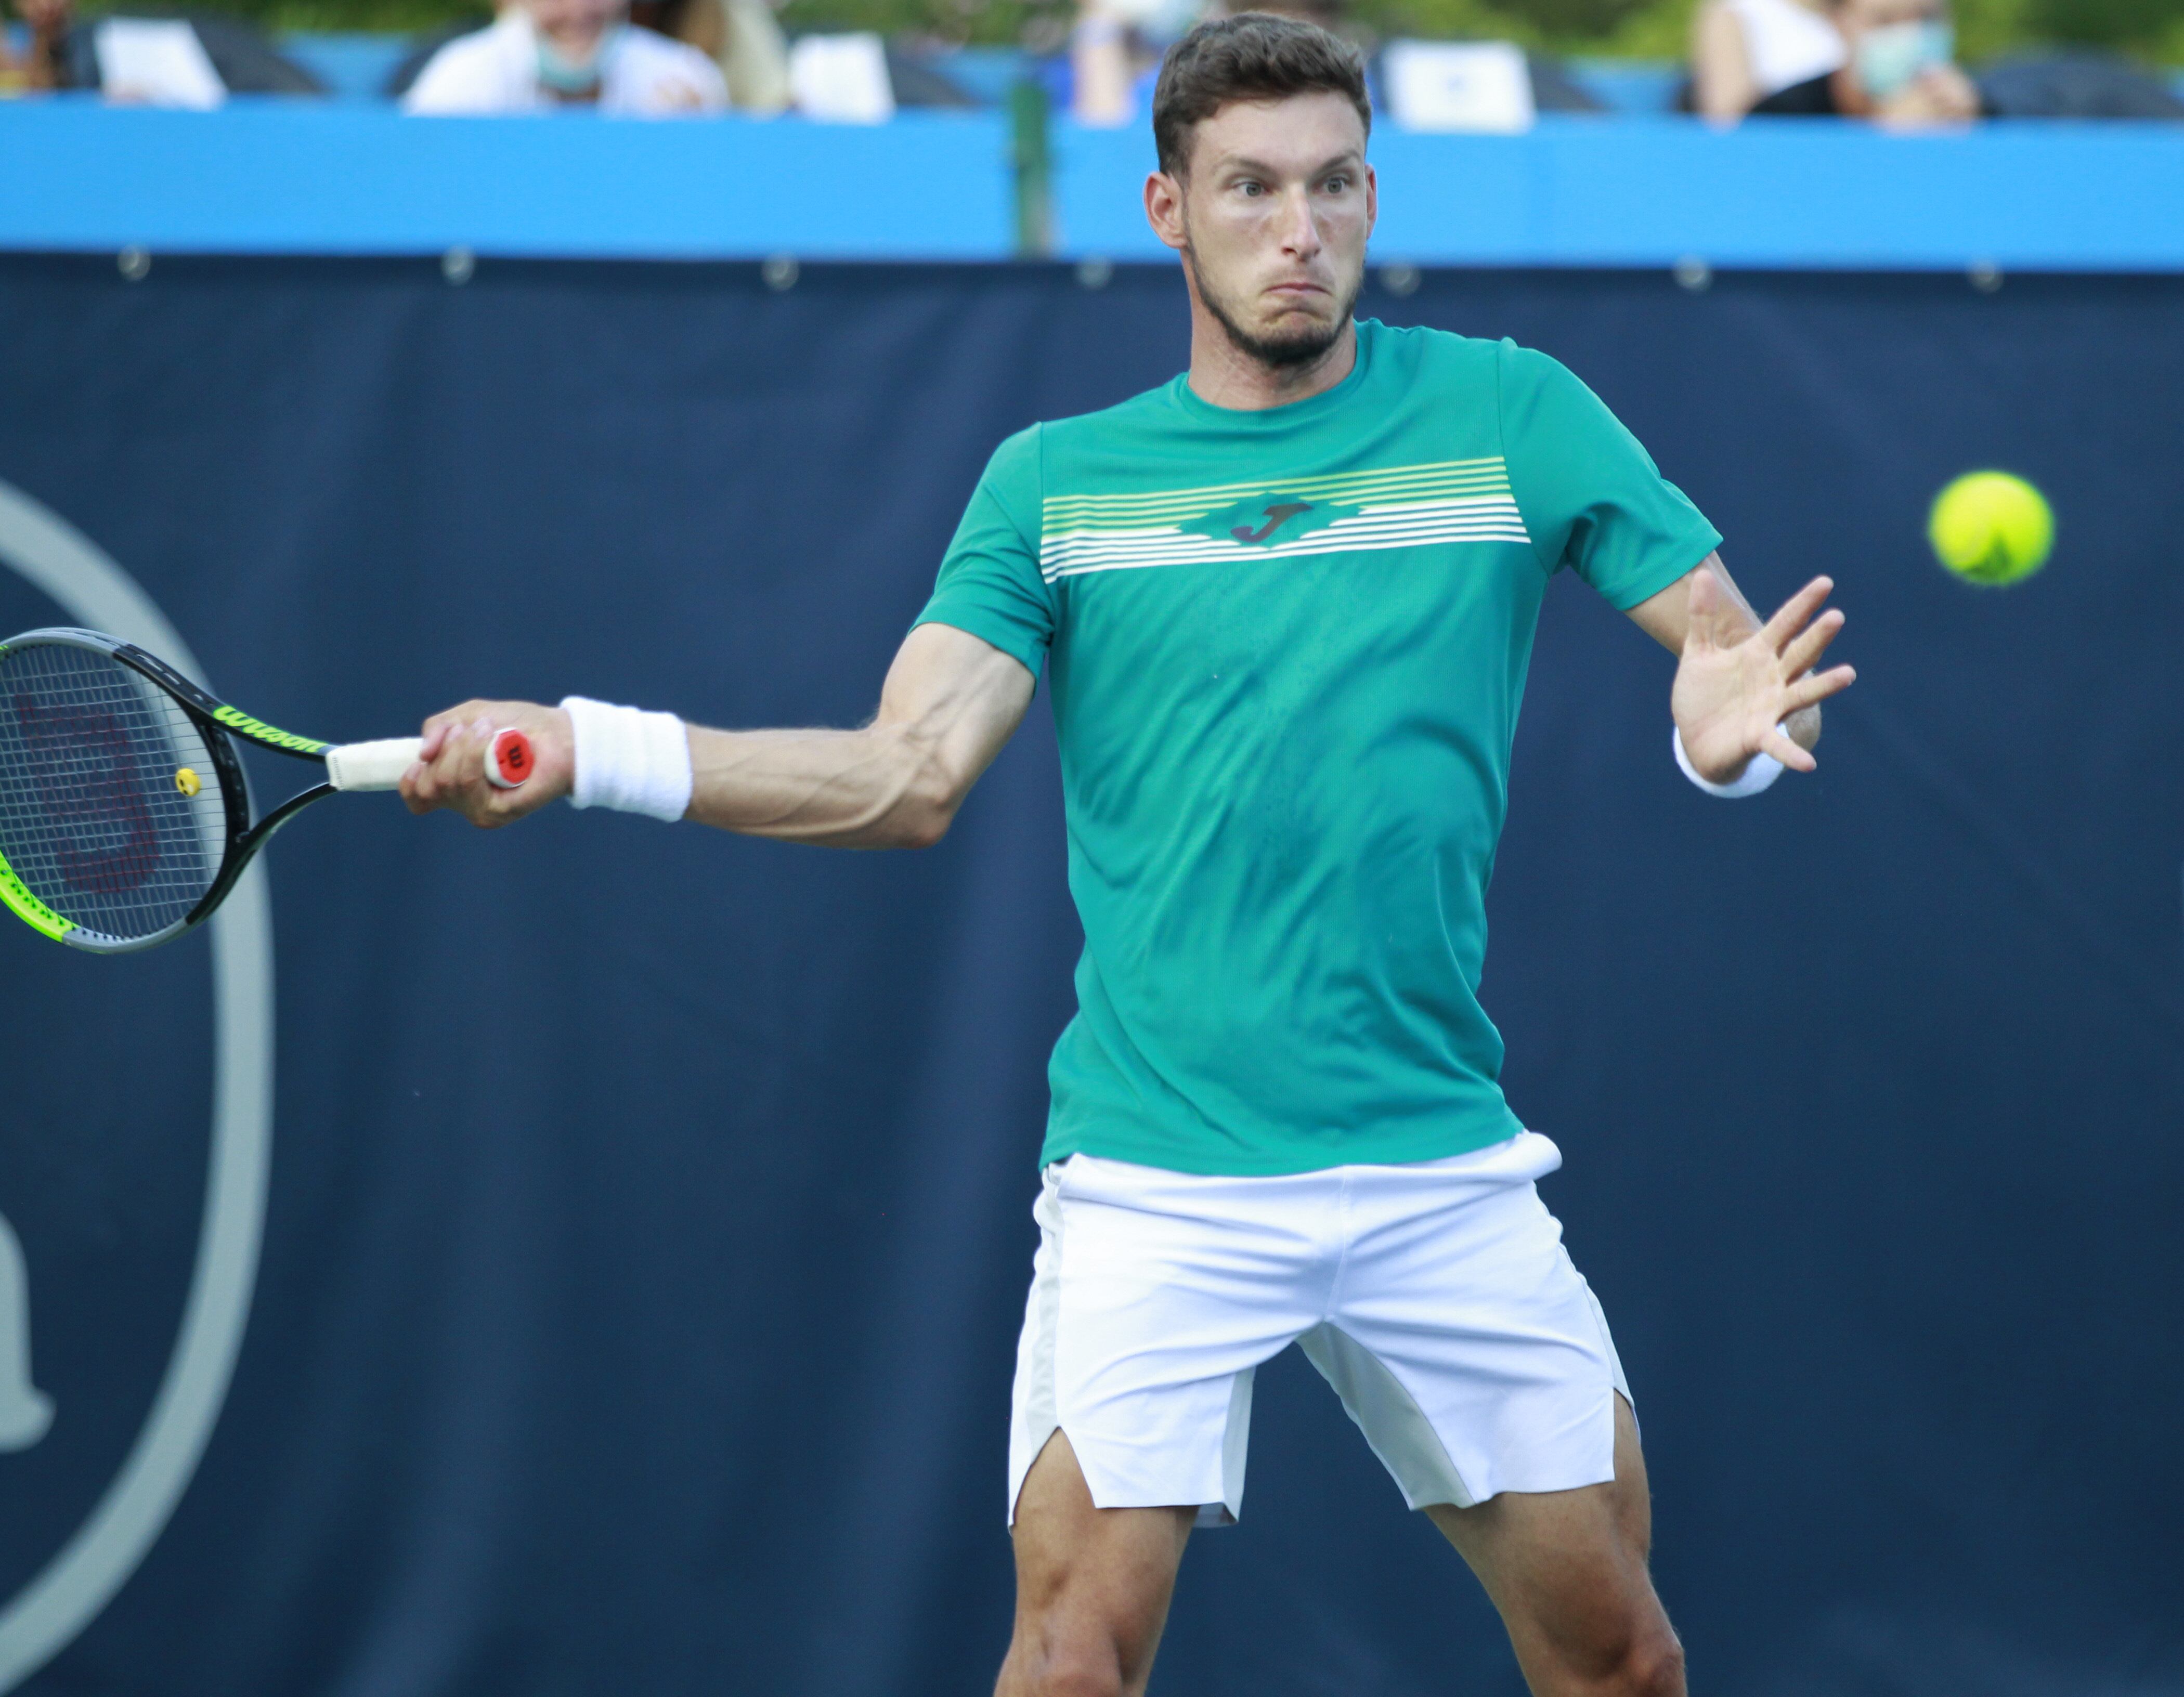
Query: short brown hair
[[1251, 56]]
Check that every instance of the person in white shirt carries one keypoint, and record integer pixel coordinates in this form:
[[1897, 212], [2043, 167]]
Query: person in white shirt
[[543, 54], [1743, 51]]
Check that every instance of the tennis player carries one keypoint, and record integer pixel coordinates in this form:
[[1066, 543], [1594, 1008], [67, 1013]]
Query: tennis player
[[1285, 603]]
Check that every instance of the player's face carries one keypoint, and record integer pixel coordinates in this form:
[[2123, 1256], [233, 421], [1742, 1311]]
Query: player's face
[[1273, 214]]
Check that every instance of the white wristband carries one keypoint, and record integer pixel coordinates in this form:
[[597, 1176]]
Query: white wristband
[[631, 761], [1762, 771]]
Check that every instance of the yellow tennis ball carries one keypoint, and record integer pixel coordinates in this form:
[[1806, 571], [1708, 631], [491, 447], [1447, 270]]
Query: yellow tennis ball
[[1991, 527]]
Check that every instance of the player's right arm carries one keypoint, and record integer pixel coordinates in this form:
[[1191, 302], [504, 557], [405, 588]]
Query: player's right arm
[[951, 701]]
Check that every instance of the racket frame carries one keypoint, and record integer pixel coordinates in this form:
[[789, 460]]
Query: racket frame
[[218, 724]]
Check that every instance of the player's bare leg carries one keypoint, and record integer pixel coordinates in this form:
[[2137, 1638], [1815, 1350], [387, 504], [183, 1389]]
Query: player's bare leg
[[1092, 1586], [1568, 1569]]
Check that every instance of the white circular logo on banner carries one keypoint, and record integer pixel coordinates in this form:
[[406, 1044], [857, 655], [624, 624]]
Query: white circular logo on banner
[[82, 1578]]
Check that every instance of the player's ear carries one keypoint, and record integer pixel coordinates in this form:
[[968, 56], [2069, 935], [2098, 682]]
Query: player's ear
[[1164, 208], [1372, 200]]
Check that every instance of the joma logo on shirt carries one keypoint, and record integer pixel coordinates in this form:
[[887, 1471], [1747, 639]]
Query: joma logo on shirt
[[1263, 520], [1277, 516]]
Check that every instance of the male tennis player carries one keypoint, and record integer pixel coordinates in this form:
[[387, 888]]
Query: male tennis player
[[1286, 602]]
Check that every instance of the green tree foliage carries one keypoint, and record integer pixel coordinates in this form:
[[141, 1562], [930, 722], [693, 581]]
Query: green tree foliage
[[2148, 26], [992, 23]]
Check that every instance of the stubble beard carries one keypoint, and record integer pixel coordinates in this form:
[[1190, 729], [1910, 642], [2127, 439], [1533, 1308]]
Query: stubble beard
[[1303, 346]]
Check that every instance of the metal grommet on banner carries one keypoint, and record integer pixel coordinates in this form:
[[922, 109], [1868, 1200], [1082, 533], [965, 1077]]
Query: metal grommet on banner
[[459, 265], [135, 264], [780, 272], [1985, 276], [1094, 273], [1693, 273], [1400, 280]]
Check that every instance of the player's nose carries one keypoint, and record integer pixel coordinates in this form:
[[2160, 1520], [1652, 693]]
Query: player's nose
[[1300, 229]]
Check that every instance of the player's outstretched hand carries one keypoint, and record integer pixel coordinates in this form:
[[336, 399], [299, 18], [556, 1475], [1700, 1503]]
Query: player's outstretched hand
[[450, 768], [1734, 685]]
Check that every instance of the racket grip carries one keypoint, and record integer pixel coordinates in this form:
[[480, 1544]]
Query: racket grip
[[372, 765]]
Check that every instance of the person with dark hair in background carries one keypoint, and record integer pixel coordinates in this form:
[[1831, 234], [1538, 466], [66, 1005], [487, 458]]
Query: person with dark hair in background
[[740, 37], [66, 53], [1285, 603], [46, 65]]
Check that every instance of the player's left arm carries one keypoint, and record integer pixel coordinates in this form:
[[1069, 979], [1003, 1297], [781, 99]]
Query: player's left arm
[[1744, 685]]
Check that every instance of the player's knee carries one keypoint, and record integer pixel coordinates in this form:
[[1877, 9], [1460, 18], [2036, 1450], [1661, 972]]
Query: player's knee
[[1064, 1654], [1074, 1670], [1655, 1665], [1080, 1681]]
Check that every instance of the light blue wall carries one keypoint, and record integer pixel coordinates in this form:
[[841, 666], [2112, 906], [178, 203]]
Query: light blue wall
[[1783, 192], [348, 177], [318, 177]]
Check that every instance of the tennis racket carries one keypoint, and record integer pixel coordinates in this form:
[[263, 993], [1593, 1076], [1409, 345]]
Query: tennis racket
[[125, 815]]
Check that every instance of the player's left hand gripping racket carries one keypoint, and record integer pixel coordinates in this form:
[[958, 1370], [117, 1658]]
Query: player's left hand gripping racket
[[124, 816]]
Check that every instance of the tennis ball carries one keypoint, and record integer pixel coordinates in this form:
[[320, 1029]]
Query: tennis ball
[[1990, 527]]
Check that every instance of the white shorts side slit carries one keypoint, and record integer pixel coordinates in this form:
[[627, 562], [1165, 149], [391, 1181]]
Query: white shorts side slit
[[1435, 1299]]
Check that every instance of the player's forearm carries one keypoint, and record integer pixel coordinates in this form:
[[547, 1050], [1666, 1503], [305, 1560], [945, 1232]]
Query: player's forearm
[[951, 701], [884, 787]]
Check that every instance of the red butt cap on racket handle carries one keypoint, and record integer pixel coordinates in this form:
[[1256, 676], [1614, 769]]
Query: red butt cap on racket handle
[[508, 760], [379, 765]]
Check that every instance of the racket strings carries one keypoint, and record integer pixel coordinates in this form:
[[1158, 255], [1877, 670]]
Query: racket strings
[[110, 806]]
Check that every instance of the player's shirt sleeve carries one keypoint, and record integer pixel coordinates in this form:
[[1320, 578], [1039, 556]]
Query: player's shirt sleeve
[[1590, 496], [989, 583]]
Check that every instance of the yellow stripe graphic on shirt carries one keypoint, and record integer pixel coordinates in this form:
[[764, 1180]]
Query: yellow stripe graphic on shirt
[[1395, 507]]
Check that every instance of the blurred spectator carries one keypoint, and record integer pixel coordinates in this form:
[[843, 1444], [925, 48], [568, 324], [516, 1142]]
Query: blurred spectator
[[1744, 51], [1898, 68], [738, 36], [542, 54], [231, 55], [423, 50], [46, 65], [1115, 44]]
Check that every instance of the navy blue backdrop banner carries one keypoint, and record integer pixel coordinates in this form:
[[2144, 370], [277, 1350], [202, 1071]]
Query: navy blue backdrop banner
[[648, 1218]]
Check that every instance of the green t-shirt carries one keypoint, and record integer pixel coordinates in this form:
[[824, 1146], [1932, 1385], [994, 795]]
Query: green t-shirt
[[1286, 649]]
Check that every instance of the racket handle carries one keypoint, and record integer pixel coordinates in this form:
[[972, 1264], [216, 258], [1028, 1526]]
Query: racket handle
[[379, 765], [372, 765]]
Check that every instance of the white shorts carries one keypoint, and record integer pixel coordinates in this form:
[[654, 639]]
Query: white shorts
[[1436, 1298]]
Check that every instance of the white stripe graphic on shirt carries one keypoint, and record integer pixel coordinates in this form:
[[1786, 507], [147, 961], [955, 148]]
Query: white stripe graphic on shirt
[[1339, 485], [1074, 552], [1397, 507]]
